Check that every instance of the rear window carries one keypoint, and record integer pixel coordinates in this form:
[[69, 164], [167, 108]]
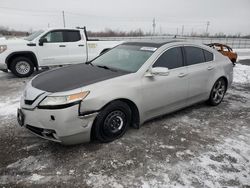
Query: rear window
[[208, 55], [194, 55], [72, 36]]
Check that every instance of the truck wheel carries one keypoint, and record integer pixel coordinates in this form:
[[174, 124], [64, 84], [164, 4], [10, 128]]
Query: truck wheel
[[22, 67], [112, 122]]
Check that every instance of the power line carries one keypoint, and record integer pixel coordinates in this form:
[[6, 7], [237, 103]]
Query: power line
[[29, 10]]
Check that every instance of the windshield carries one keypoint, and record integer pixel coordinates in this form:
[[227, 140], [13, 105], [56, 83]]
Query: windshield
[[34, 35], [128, 58]]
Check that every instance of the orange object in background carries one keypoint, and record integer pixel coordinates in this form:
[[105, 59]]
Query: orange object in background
[[225, 50]]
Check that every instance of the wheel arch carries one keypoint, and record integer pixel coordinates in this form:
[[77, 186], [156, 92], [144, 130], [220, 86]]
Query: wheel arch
[[225, 78], [27, 54], [134, 109]]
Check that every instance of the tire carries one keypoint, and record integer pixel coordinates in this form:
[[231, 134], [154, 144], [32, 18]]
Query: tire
[[217, 93], [22, 67], [112, 122]]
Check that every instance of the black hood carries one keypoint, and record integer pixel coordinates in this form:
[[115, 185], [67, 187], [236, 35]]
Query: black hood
[[72, 77]]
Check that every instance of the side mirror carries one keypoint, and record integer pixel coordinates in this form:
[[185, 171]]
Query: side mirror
[[160, 71], [42, 41]]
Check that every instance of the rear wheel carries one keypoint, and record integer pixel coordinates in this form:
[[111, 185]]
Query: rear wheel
[[22, 67], [217, 93], [112, 122]]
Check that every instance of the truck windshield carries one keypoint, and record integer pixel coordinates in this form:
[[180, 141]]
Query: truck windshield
[[34, 35], [128, 58]]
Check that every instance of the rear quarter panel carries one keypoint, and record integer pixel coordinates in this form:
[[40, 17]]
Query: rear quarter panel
[[224, 68]]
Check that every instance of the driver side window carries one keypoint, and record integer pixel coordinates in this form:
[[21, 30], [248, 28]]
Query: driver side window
[[54, 36], [170, 59]]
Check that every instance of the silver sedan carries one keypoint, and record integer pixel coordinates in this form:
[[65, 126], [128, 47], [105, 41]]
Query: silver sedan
[[132, 83]]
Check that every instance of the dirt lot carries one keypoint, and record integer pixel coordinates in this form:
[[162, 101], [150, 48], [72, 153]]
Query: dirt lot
[[199, 146]]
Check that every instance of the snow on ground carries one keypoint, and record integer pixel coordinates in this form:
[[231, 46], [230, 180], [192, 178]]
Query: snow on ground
[[241, 74], [8, 106], [221, 165]]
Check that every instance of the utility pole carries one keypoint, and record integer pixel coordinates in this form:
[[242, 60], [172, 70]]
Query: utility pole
[[154, 25], [177, 31], [182, 31], [63, 19], [208, 23]]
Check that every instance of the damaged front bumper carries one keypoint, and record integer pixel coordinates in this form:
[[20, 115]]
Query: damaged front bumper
[[65, 126]]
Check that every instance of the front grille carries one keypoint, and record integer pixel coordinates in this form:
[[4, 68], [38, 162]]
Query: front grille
[[46, 133]]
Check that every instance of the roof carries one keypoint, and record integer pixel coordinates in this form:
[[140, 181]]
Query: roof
[[155, 44]]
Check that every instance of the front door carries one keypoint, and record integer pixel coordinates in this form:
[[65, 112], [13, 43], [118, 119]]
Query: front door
[[163, 94], [54, 51]]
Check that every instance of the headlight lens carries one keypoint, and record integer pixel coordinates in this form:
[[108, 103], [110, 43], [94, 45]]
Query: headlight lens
[[62, 100], [3, 48]]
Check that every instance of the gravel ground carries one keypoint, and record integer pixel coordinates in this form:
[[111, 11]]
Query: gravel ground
[[199, 146]]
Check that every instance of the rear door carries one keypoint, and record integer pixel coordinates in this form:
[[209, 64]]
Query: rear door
[[163, 94], [76, 46], [200, 69]]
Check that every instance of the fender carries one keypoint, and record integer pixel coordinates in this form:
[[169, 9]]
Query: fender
[[28, 54]]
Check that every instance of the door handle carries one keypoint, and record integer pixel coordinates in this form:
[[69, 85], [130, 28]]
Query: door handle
[[210, 68], [62, 45], [81, 45], [182, 75]]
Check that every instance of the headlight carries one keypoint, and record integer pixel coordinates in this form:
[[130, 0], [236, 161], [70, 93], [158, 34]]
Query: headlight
[[51, 101], [3, 48]]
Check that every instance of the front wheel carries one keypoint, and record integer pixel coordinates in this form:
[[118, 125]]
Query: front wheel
[[217, 93], [22, 67], [112, 122]]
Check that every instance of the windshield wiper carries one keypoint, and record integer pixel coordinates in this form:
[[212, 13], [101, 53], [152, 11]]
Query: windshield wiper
[[105, 67]]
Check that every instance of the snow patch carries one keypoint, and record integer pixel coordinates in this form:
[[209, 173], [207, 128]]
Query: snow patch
[[30, 164], [9, 106], [99, 180], [166, 147], [241, 74], [36, 177]]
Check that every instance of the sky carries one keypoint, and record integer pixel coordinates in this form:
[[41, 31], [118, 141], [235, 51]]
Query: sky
[[226, 16]]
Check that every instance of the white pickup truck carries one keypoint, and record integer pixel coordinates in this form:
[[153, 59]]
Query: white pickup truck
[[51, 47]]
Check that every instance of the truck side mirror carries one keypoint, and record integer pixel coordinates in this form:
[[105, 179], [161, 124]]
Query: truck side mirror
[[42, 41]]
